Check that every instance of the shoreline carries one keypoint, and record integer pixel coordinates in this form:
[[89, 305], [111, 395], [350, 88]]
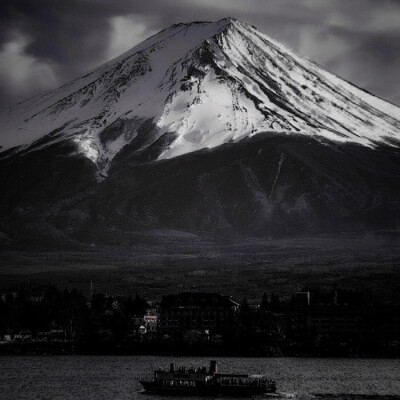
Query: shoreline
[[177, 350]]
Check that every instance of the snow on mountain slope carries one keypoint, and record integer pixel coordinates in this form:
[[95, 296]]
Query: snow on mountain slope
[[206, 84]]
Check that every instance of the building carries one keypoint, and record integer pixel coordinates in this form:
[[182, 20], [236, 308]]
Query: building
[[25, 335], [335, 319], [151, 323], [323, 319], [145, 324], [302, 298], [196, 312]]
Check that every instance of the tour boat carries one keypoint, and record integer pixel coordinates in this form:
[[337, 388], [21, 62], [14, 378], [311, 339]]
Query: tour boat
[[206, 381]]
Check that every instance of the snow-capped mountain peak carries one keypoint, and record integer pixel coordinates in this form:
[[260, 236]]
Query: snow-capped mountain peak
[[195, 86]]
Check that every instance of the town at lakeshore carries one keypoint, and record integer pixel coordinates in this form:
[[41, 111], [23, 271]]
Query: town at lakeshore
[[338, 323]]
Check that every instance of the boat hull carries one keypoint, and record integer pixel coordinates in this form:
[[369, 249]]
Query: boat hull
[[207, 390]]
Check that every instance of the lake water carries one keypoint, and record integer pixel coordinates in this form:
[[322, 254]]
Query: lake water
[[111, 377]]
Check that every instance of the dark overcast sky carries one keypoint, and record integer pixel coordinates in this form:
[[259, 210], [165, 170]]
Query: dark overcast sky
[[44, 43]]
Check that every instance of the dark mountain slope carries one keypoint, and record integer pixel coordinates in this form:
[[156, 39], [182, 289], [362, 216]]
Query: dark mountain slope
[[271, 185]]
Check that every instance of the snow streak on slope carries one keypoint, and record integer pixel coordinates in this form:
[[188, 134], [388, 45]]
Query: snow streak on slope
[[208, 84], [124, 88]]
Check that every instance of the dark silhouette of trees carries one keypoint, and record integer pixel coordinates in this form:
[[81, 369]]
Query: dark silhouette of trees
[[275, 302], [265, 305]]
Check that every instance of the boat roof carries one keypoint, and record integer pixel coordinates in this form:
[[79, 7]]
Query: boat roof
[[193, 375]]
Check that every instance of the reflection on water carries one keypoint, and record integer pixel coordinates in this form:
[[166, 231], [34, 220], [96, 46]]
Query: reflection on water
[[110, 377], [344, 396]]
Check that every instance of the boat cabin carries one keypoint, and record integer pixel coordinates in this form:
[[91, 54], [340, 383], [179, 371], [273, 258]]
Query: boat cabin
[[193, 377]]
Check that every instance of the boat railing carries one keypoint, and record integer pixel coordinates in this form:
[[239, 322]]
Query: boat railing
[[249, 381]]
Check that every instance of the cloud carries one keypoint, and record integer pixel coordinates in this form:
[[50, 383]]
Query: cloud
[[127, 31], [329, 45], [21, 73], [370, 17], [64, 39], [373, 65]]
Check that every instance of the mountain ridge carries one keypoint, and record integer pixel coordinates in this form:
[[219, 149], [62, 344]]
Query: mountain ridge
[[244, 80], [207, 128]]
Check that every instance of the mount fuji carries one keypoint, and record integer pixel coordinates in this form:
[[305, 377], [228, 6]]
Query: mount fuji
[[202, 127]]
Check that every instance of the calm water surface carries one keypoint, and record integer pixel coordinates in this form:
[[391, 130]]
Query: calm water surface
[[110, 377]]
